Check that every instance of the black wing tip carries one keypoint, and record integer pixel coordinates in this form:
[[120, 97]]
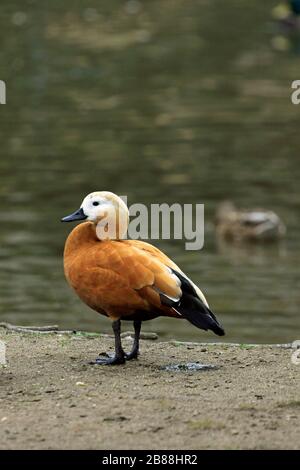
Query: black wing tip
[[206, 322], [219, 331], [216, 327], [193, 309]]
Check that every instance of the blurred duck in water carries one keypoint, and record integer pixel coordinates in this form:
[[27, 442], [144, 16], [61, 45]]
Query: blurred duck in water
[[288, 15], [253, 225], [127, 279]]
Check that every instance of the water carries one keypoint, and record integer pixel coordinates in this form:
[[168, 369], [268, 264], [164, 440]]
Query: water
[[165, 102]]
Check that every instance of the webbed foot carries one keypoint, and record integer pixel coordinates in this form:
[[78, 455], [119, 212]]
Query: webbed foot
[[108, 361]]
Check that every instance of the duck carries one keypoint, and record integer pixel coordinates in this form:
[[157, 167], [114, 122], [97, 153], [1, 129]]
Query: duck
[[255, 225], [287, 15], [125, 279]]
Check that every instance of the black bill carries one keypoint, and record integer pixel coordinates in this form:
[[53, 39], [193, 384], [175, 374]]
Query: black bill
[[78, 215]]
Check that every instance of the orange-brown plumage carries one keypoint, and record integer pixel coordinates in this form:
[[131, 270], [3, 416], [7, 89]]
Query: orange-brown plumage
[[118, 277], [127, 279]]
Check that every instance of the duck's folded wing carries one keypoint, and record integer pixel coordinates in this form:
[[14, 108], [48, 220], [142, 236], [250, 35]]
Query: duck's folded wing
[[189, 302], [146, 272], [129, 273], [156, 253], [123, 275], [259, 217]]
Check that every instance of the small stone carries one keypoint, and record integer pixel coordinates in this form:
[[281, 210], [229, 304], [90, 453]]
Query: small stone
[[259, 397]]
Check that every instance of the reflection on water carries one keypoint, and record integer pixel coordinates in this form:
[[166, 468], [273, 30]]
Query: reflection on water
[[185, 102]]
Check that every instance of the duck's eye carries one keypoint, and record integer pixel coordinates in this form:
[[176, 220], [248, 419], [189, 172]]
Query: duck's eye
[[96, 203]]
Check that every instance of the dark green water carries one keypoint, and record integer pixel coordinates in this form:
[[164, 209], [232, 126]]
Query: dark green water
[[164, 101]]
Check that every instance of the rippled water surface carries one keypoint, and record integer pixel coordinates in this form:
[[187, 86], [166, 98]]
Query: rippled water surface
[[169, 101]]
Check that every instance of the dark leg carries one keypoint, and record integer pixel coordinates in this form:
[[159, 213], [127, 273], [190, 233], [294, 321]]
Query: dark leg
[[119, 357], [135, 348]]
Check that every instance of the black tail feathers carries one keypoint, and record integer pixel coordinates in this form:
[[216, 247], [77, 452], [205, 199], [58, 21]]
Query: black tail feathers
[[199, 314], [193, 308]]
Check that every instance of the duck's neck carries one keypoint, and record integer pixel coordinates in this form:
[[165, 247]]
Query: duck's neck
[[84, 233]]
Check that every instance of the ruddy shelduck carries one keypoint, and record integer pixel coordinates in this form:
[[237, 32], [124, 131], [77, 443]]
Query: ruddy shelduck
[[127, 279]]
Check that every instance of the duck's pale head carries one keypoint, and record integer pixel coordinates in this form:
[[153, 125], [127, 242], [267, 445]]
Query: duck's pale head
[[107, 211]]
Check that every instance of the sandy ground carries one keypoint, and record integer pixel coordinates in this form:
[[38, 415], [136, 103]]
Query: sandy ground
[[51, 398]]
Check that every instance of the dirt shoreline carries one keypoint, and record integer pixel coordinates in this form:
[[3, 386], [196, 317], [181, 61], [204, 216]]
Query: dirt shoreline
[[51, 398]]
